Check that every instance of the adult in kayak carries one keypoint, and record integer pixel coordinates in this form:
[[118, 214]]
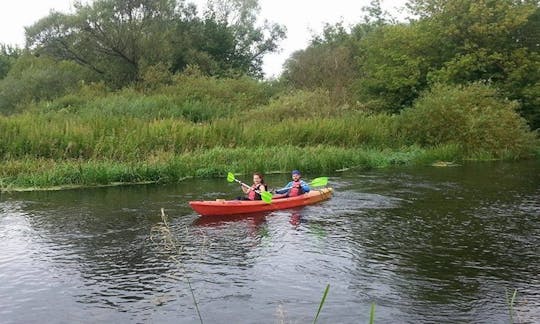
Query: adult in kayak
[[294, 188], [258, 185]]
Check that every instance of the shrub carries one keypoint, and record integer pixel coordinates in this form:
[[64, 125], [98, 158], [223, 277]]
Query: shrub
[[32, 79], [297, 105], [472, 116]]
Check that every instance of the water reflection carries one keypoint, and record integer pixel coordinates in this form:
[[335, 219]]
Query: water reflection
[[251, 220]]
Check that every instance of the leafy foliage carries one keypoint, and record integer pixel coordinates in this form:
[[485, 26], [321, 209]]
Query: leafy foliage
[[387, 65], [118, 38], [32, 79], [473, 116], [8, 56]]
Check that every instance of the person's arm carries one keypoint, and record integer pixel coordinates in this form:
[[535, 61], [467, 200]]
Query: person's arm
[[305, 186], [245, 189], [286, 189]]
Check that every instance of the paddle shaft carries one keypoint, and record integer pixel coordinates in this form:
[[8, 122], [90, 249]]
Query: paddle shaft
[[287, 188], [245, 185], [315, 183]]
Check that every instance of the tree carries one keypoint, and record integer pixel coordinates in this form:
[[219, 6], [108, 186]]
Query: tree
[[331, 61], [489, 40], [32, 79], [327, 63], [119, 39], [8, 56], [246, 42], [112, 37], [323, 66]]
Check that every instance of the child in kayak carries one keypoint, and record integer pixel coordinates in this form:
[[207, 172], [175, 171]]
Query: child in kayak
[[294, 188], [258, 184]]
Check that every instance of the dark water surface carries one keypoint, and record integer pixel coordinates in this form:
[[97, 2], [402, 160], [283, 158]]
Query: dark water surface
[[426, 245]]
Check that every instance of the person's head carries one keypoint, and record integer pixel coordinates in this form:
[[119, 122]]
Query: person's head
[[258, 178], [296, 175]]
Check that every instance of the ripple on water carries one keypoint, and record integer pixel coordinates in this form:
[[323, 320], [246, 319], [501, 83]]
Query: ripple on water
[[425, 245]]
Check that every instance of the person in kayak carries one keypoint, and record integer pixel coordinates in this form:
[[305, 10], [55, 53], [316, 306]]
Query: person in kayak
[[294, 188], [258, 184]]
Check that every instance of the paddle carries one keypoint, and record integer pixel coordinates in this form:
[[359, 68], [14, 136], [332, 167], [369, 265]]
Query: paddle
[[265, 195], [317, 182]]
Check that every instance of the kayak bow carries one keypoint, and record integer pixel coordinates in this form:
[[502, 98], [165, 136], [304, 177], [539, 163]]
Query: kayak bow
[[232, 207]]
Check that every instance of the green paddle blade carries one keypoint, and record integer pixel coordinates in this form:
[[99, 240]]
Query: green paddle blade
[[319, 182], [266, 196], [230, 177]]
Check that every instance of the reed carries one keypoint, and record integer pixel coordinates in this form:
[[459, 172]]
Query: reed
[[167, 166], [510, 300], [162, 235], [62, 135], [372, 314], [321, 304], [200, 126]]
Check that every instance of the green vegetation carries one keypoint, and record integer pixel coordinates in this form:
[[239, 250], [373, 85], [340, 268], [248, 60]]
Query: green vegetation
[[162, 235], [323, 299], [377, 95], [474, 117], [510, 301], [372, 314], [387, 65]]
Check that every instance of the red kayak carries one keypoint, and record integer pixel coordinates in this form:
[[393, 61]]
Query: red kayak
[[232, 207]]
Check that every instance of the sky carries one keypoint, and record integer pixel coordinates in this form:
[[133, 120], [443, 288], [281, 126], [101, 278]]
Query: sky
[[302, 18]]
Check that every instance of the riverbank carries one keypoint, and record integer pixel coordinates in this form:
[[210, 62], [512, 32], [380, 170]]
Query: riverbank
[[204, 127], [47, 174], [167, 167]]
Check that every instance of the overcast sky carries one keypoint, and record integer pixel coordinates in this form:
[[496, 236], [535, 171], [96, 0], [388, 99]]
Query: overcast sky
[[302, 18]]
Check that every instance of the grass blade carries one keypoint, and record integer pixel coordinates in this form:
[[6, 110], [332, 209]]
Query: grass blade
[[510, 303], [322, 303], [372, 314]]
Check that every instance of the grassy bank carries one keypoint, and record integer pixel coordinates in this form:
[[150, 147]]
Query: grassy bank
[[215, 162], [203, 127]]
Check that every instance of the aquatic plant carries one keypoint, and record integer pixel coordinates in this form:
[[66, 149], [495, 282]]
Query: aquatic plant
[[510, 300], [323, 299], [162, 235], [372, 314], [167, 167]]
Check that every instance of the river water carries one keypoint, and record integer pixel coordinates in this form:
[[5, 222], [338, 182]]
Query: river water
[[425, 245]]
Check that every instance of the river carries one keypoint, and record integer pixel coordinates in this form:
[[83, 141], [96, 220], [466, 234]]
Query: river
[[424, 244]]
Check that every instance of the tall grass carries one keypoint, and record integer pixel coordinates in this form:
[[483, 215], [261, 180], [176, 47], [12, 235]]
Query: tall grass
[[63, 135], [196, 99], [510, 301], [199, 126], [323, 299], [216, 162], [372, 314], [162, 235]]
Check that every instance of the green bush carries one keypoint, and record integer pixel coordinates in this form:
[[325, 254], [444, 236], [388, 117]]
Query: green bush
[[32, 79], [243, 92], [298, 105], [472, 116], [194, 98]]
